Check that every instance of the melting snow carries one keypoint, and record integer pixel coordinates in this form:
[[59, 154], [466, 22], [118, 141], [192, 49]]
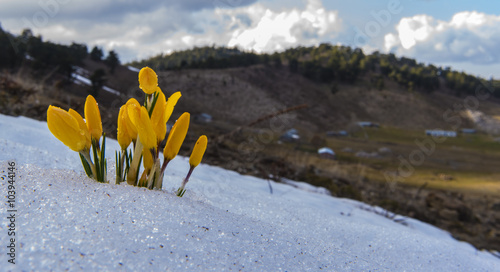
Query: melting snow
[[225, 221], [83, 80], [133, 69]]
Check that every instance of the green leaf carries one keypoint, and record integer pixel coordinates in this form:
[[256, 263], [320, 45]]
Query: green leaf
[[137, 176], [180, 192], [153, 103], [103, 163], [118, 160], [86, 166], [128, 161], [96, 159], [100, 159]]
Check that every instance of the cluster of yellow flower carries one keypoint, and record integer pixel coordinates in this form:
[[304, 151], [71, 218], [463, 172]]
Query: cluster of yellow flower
[[81, 136], [144, 127]]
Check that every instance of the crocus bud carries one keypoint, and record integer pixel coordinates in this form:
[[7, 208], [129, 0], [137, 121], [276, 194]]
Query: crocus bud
[[198, 151], [132, 130], [83, 127], [176, 137], [93, 118], [140, 118], [65, 128], [148, 80], [123, 134], [158, 117]]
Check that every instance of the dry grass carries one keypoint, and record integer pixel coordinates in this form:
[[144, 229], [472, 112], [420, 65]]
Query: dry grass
[[470, 162], [462, 182]]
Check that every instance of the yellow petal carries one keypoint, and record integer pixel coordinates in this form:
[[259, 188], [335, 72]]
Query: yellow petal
[[158, 117], [83, 127], [65, 128], [198, 151], [148, 80], [147, 158], [132, 110], [132, 130], [93, 118], [172, 101], [123, 135], [140, 118], [176, 137]]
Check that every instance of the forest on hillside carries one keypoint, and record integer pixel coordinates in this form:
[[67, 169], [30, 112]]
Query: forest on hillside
[[45, 57], [328, 64], [324, 63]]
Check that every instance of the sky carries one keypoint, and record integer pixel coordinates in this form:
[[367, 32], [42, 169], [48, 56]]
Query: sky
[[462, 34]]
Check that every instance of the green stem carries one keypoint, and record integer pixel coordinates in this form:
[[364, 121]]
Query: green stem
[[158, 182], [119, 167], [122, 159], [180, 191], [165, 163], [154, 171], [134, 167], [102, 160]]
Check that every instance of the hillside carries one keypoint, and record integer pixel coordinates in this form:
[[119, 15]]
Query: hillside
[[340, 85], [241, 95]]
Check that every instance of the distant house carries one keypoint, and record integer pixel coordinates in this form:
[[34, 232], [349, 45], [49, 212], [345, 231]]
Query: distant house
[[441, 133], [368, 124], [203, 118], [291, 135], [327, 153], [340, 133], [468, 131]]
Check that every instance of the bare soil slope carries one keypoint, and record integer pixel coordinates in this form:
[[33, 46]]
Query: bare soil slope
[[241, 95]]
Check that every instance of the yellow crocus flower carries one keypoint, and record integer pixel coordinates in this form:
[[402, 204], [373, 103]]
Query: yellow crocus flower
[[198, 151], [123, 134], [140, 118], [194, 160], [176, 137], [83, 127], [172, 101], [148, 80], [93, 118], [132, 130], [65, 128], [158, 117]]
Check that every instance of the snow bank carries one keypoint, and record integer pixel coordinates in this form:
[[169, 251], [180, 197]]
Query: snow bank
[[225, 221]]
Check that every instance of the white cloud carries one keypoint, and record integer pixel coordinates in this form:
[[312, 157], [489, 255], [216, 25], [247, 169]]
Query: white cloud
[[469, 36], [265, 30], [141, 30]]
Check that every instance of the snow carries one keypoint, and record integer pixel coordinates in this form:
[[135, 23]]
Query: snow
[[83, 80], [326, 150], [305, 186], [225, 221], [133, 69], [108, 89]]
